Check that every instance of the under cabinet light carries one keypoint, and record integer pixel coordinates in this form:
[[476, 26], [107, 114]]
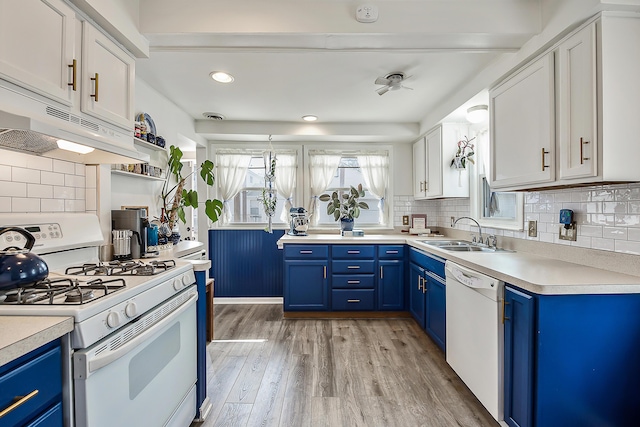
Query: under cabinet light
[[72, 146]]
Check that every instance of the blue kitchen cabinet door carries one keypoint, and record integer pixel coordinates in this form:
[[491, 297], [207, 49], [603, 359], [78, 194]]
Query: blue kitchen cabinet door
[[391, 285], [435, 312], [518, 358], [417, 300], [306, 287]]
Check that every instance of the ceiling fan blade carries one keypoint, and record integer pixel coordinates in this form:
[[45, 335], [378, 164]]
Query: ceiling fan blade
[[406, 87], [382, 90], [382, 81]]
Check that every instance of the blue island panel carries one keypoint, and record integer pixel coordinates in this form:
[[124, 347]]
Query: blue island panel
[[246, 263]]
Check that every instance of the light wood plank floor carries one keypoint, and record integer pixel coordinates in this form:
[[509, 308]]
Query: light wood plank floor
[[379, 372]]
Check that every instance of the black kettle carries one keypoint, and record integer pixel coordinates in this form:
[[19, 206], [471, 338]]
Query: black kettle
[[20, 267]]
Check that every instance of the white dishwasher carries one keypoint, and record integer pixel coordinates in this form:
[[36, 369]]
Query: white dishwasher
[[475, 335]]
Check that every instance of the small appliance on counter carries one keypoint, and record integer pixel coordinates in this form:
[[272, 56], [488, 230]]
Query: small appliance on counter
[[299, 223], [136, 221]]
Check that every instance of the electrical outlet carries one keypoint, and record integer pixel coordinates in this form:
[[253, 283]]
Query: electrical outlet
[[570, 233], [405, 219], [533, 228], [453, 221]]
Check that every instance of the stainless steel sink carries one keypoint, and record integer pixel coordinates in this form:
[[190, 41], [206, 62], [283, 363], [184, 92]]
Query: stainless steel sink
[[461, 246]]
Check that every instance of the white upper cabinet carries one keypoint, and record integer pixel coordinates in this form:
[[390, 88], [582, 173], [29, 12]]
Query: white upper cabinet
[[108, 75], [581, 129], [37, 47], [522, 127], [576, 100], [433, 176]]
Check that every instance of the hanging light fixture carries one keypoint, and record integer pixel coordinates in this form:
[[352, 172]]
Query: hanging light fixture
[[478, 113]]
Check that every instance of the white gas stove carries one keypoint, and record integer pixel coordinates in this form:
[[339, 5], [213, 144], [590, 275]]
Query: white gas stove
[[127, 315]]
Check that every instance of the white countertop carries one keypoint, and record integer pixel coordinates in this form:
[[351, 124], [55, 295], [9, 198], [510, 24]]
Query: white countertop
[[187, 247], [21, 334], [534, 273]]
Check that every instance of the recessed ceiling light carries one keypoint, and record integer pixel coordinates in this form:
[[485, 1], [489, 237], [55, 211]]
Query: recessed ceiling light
[[221, 76], [309, 118], [478, 113]]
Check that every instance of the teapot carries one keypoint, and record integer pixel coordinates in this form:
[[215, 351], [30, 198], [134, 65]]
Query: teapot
[[19, 266]]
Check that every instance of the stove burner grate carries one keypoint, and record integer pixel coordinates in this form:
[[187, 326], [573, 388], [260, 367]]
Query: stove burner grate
[[122, 268], [62, 291]]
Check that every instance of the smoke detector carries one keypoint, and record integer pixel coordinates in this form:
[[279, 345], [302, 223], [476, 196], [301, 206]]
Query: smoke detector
[[213, 116]]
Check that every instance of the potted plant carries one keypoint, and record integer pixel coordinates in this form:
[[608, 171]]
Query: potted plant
[[175, 197], [346, 209], [462, 156]]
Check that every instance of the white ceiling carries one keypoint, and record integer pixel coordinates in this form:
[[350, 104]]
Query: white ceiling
[[283, 70]]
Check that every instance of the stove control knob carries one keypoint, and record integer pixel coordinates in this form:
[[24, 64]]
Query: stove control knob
[[185, 280], [113, 319], [131, 309], [177, 284]]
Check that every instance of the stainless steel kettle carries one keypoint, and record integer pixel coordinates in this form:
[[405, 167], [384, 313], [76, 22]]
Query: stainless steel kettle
[[19, 266]]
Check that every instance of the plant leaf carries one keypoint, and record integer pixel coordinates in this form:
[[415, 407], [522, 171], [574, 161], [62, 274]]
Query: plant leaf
[[356, 212], [334, 195], [181, 215], [213, 209], [336, 215], [206, 172], [330, 209], [363, 205], [324, 198]]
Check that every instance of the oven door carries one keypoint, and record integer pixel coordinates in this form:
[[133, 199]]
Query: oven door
[[143, 375]]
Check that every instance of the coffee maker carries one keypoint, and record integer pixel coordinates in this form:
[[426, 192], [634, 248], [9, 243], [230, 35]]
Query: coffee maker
[[136, 221]]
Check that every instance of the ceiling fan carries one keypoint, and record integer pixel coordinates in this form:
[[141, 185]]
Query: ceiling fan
[[392, 81]]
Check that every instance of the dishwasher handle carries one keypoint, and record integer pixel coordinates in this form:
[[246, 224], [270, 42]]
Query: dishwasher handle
[[470, 278]]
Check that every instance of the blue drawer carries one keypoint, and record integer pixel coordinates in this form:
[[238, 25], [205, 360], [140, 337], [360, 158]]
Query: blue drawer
[[353, 266], [427, 261], [353, 281], [353, 251], [352, 299], [306, 251], [390, 251]]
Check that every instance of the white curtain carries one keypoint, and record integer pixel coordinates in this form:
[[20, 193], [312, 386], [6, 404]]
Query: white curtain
[[286, 167], [375, 171], [322, 168], [232, 172]]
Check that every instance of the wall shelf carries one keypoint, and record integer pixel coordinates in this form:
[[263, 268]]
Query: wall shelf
[[146, 144], [137, 175]]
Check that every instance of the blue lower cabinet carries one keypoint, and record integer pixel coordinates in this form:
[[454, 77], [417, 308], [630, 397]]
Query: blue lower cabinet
[[352, 299], [391, 285], [572, 360], [306, 287], [417, 299], [435, 311]]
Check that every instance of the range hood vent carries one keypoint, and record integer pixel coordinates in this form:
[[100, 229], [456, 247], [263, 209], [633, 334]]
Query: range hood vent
[[30, 124]]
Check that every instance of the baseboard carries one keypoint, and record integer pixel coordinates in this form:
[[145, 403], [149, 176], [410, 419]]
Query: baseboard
[[248, 300]]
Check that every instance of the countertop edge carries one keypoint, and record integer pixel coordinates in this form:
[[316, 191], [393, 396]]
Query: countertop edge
[[47, 329]]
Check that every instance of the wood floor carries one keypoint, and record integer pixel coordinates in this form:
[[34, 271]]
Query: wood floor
[[379, 372]]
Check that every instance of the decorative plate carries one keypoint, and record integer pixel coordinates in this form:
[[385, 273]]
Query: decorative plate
[[151, 126]]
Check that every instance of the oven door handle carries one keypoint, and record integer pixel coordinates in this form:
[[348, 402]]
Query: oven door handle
[[83, 368]]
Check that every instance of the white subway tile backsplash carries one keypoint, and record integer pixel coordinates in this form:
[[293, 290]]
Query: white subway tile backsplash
[[5, 173], [74, 181], [22, 204], [633, 234], [64, 192], [5, 204], [39, 191], [628, 247], [615, 233], [80, 169], [74, 205], [91, 174], [51, 178], [39, 163], [25, 175], [602, 244], [52, 205], [13, 189], [11, 158], [590, 231], [64, 166]]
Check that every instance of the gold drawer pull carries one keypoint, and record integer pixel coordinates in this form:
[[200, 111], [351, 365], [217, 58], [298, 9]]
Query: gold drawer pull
[[95, 94], [74, 68], [353, 300], [353, 267], [21, 400], [353, 282]]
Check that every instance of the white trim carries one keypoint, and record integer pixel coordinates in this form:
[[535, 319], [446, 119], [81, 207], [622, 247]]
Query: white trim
[[248, 300]]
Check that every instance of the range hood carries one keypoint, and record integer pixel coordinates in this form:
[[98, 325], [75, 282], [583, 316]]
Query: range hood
[[32, 125]]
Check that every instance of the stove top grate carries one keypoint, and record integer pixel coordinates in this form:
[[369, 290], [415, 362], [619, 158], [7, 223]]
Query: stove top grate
[[62, 291]]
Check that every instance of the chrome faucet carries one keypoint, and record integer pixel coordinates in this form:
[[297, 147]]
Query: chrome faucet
[[471, 219]]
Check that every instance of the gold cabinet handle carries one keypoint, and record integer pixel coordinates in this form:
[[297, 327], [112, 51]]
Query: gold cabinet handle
[[381, 273], [582, 158], [324, 269], [543, 153], [21, 400], [74, 68], [504, 308], [353, 300], [95, 94]]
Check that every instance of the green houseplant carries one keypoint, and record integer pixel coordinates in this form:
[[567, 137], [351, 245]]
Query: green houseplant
[[461, 157], [175, 197], [346, 209]]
